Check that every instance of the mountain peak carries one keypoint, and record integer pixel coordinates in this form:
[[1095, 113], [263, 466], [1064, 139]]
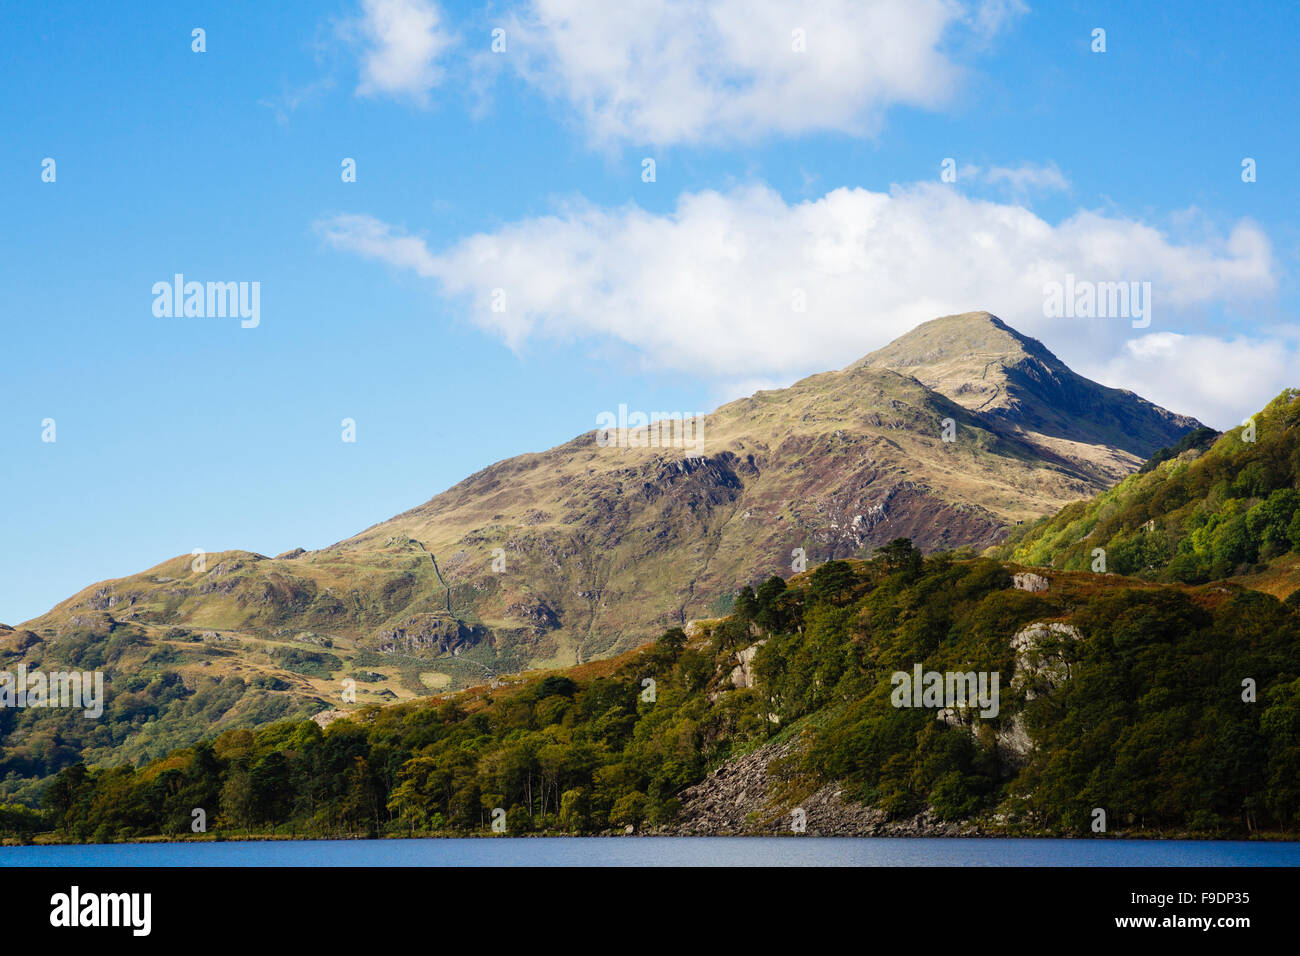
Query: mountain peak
[[986, 366], [957, 338]]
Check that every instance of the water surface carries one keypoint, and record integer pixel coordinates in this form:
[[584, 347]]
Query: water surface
[[667, 851]]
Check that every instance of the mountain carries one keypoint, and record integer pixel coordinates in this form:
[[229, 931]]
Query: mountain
[[602, 546], [1222, 506], [583, 551]]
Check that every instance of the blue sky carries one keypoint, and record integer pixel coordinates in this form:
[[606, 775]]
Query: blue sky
[[522, 170]]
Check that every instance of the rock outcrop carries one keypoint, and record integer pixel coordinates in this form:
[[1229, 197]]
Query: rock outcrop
[[745, 797]]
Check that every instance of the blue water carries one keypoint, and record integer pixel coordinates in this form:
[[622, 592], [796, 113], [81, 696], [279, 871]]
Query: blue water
[[667, 851]]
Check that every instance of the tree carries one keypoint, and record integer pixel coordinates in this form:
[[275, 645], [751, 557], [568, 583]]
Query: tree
[[557, 685], [1253, 481], [1231, 544], [1268, 522], [671, 643], [629, 810], [832, 582], [575, 810], [68, 797], [746, 605], [767, 616], [203, 776], [361, 801], [900, 555], [237, 797], [20, 821], [268, 783]]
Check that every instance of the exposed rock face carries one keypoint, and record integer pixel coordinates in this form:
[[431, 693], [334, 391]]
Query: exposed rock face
[[1041, 666], [1028, 581], [1014, 743], [537, 613], [749, 795], [326, 717], [1041, 652], [693, 629], [742, 675], [740, 798], [427, 634]]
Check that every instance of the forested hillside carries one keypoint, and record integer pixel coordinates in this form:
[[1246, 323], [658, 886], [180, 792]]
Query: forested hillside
[[1232, 510], [1119, 694]]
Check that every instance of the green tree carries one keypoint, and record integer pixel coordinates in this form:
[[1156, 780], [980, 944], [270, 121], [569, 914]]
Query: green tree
[[746, 605], [833, 582], [268, 782], [629, 810], [575, 810], [900, 555], [768, 616], [237, 797]]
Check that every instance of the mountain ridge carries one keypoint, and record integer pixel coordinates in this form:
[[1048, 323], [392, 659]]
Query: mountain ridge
[[597, 548]]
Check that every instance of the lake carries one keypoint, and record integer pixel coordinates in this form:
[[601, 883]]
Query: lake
[[666, 851]]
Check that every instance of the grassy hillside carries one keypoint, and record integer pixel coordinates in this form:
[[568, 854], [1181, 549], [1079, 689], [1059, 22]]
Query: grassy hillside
[[1232, 510], [1116, 693]]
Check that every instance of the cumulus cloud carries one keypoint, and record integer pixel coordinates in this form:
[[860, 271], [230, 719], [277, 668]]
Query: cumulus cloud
[[746, 286], [671, 71], [402, 42], [1221, 381]]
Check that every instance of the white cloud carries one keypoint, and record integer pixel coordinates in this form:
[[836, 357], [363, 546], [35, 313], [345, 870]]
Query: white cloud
[[1022, 179], [403, 40], [1221, 381], [373, 239], [990, 16], [713, 287], [669, 71]]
